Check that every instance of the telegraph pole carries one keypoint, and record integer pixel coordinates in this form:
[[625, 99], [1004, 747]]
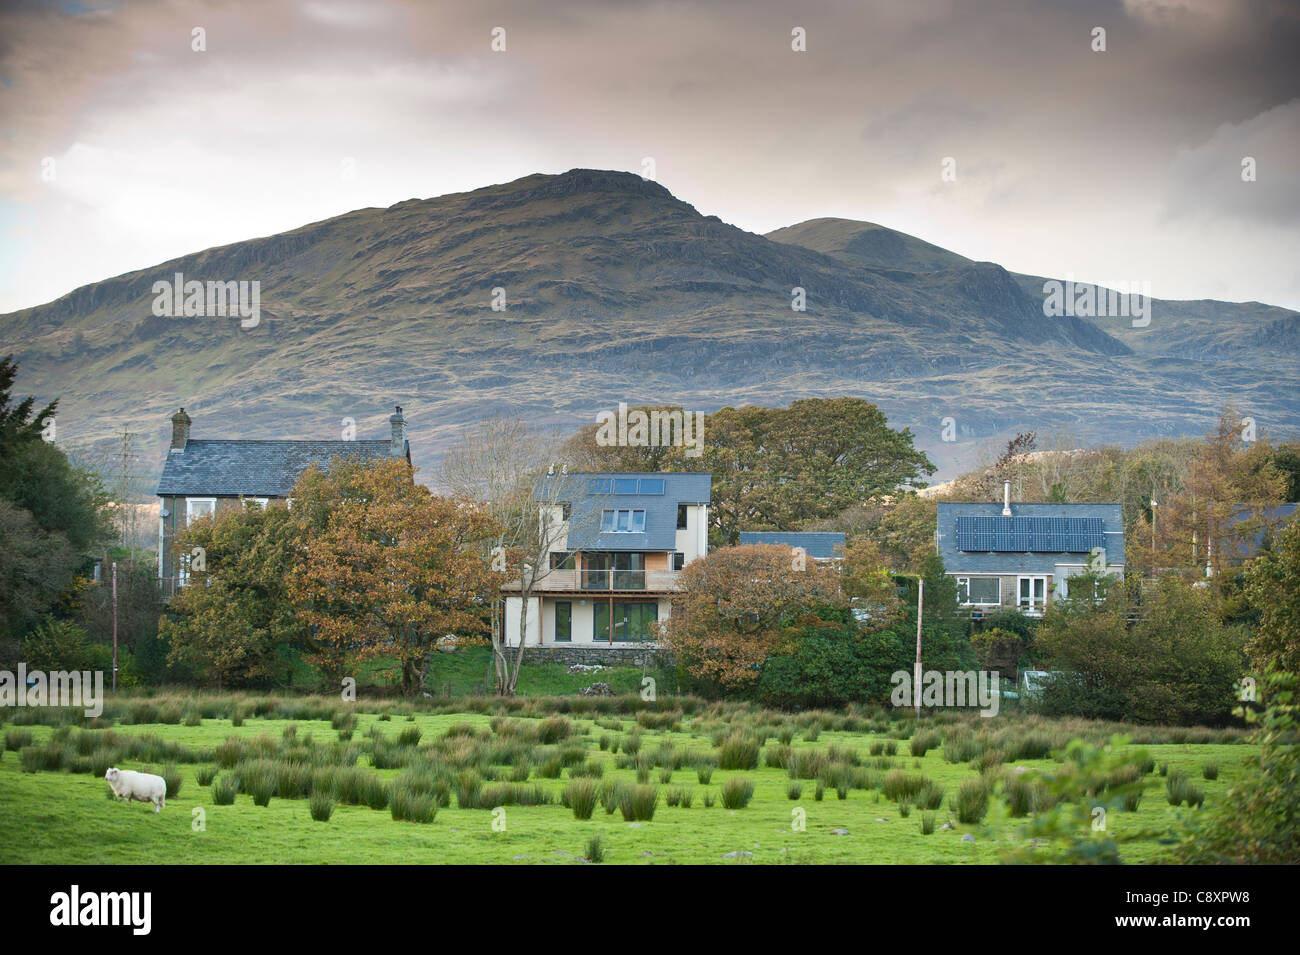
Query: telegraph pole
[[114, 626], [916, 679]]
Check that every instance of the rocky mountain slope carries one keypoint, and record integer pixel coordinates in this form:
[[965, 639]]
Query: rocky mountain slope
[[614, 290]]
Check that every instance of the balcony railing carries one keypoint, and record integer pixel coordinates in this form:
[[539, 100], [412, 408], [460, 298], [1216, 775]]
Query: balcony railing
[[609, 580]]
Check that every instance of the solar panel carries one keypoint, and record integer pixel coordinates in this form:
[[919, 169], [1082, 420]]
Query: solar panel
[[1069, 535]]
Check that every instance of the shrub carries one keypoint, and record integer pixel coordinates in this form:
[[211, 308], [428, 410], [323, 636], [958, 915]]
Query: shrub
[[581, 795], [1030, 746], [1210, 771], [898, 785], [205, 775], [595, 851], [1176, 787], [223, 791], [637, 803], [929, 795], [972, 801], [407, 805], [322, 806], [18, 739], [923, 742], [1023, 796], [793, 790], [927, 823], [375, 792], [737, 792], [554, 729], [262, 789], [172, 775], [738, 751]]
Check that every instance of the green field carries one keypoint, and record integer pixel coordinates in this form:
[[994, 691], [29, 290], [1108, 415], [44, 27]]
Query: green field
[[59, 816]]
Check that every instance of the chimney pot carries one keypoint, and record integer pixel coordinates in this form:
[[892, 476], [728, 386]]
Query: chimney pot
[[180, 430], [1006, 498]]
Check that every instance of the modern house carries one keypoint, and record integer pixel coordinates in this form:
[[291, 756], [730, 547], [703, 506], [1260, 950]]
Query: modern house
[[1013, 555], [617, 542], [820, 546], [210, 476]]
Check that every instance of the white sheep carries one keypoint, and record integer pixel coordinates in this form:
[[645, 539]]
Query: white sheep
[[128, 784]]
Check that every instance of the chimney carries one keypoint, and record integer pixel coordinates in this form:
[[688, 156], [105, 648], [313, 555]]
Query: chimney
[[398, 447], [180, 430], [1006, 498]]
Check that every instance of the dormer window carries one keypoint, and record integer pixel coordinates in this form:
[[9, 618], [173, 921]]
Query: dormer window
[[621, 521]]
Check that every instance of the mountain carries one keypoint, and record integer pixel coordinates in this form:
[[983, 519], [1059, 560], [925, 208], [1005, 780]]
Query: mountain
[[615, 290]]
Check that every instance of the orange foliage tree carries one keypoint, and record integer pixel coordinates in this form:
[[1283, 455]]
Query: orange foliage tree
[[735, 606], [386, 568]]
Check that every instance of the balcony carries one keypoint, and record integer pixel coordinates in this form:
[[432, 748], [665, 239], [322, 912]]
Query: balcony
[[609, 581]]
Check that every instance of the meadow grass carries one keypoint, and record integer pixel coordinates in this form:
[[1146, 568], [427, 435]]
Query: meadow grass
[[409, 765]]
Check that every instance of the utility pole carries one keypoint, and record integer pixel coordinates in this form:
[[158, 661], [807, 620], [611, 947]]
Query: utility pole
[[1154, 505], [114, 626], [916, 678]]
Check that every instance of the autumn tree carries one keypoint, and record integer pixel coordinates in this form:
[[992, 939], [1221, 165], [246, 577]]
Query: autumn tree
[[735, 606], [234, 623], [664, 447], [780, 468], [867, 581], [1273, 588], [386, 568], [1221, 506]]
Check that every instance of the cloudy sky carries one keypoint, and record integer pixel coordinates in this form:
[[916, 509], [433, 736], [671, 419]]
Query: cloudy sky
[[123, 145]]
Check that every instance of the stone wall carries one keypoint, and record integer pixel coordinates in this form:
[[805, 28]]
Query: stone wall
[[590, 654]]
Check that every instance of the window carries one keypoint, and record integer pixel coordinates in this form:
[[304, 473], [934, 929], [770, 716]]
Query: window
[[679, 560], [632, 621], [598, 486], [681, 517], [566, 509], [650, 486], [563, 621], [196, 507], [562, 560], [623, 522], [624, 485], [629, 571], [985, 591], [1033, 594], [258, 501]]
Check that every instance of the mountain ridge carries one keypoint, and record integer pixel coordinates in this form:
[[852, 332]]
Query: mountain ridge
[[616, 290]]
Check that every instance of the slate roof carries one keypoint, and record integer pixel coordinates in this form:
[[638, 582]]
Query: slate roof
[[1065, 537], [1271, 521], [687, 487], [820, 545], [214, 468]]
